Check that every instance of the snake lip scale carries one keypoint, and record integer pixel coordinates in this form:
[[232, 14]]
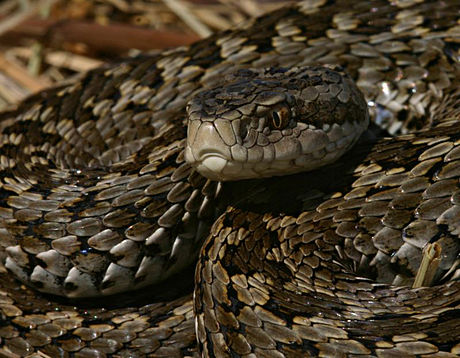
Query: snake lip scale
[[117, 187]]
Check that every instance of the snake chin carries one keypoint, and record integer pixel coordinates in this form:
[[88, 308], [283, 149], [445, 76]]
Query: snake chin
[[211, 166]]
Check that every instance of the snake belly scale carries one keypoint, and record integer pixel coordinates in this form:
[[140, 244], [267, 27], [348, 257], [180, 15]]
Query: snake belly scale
[[98, 200]]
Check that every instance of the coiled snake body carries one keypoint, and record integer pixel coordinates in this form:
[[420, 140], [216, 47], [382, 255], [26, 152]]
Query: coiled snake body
[[97, 198]]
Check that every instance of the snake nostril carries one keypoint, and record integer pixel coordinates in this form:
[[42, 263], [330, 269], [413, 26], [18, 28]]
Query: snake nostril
[[247, 126], [243, 129]]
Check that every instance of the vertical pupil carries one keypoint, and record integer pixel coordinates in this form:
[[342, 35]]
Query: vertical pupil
[[276, 120]]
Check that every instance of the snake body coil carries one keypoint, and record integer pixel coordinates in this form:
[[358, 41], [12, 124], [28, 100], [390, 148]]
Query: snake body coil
[[97, 198]]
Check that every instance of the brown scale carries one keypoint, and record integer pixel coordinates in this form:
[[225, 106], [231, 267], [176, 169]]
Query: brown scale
[[338, 238], [370, 317]]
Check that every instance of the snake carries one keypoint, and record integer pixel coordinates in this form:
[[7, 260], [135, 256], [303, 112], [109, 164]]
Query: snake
[[273, 190]]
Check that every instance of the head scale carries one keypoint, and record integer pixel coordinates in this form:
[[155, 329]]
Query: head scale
[[270, 122]]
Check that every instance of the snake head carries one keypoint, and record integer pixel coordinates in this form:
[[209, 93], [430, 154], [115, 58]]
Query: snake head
[[262, 123]]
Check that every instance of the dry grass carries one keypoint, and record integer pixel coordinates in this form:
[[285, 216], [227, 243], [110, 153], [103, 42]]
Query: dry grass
[[47, 41]]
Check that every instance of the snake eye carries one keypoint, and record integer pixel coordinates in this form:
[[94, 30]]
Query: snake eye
[[280, 117]]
